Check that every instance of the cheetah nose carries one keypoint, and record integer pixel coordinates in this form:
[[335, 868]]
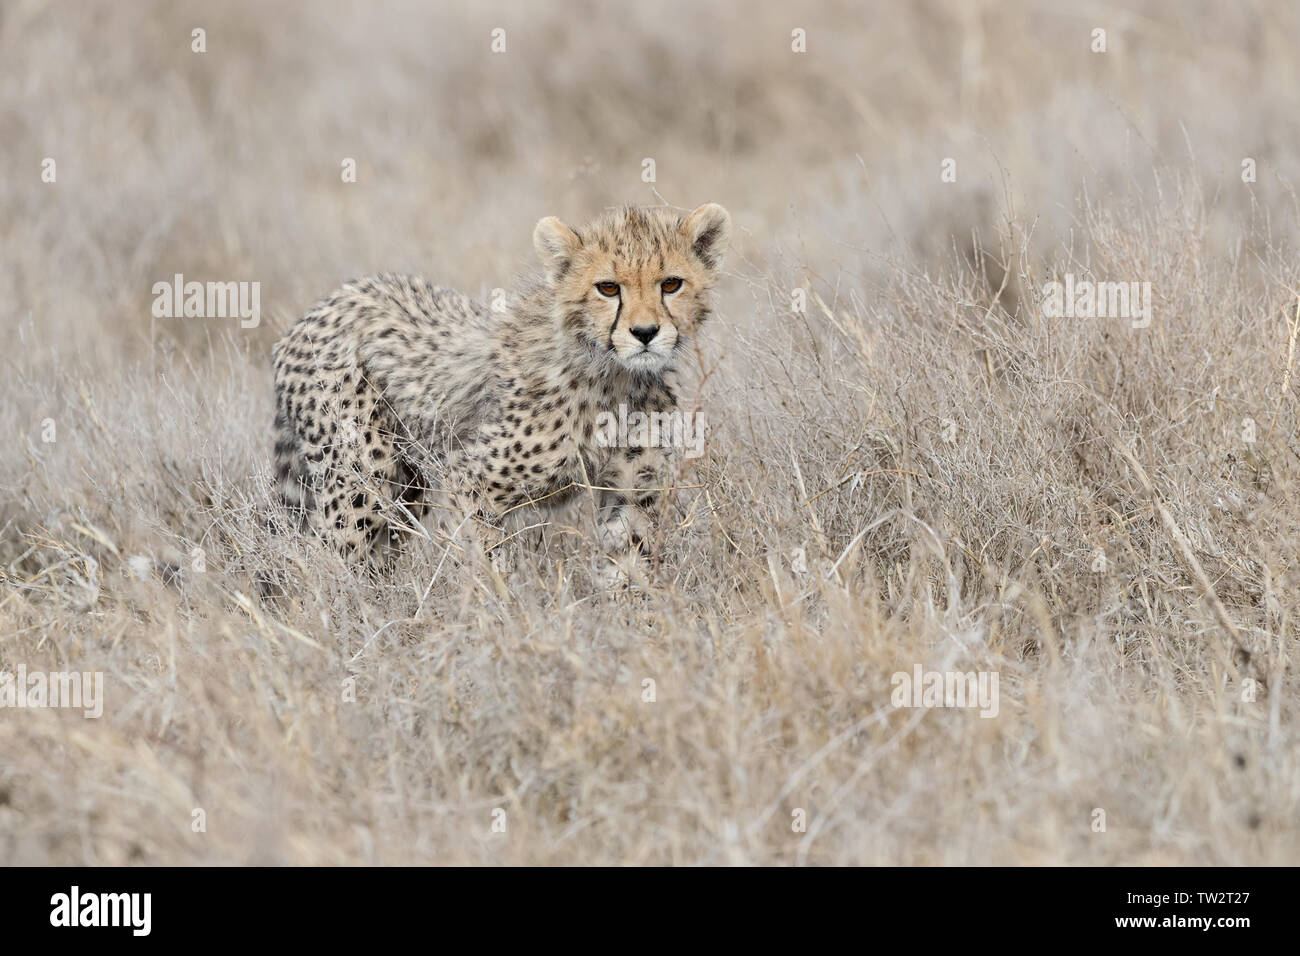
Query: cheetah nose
[[645, 333]]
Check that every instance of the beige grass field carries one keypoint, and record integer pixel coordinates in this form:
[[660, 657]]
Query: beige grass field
[[909, 461]]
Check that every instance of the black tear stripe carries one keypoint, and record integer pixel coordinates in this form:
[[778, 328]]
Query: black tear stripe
[[617, 313]]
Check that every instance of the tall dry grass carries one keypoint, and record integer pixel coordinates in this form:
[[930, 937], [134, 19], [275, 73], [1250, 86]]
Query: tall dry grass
[[918, 468]]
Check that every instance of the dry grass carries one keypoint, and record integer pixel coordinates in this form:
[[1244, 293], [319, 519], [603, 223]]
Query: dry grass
[[950, 461]]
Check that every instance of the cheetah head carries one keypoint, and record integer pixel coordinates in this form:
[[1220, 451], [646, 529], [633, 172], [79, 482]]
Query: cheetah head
[[634, 284]]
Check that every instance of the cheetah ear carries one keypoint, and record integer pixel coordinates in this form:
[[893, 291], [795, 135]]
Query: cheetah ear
[[708, 229], [556, 245]]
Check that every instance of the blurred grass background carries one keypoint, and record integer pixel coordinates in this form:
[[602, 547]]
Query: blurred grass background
[[226, 164]]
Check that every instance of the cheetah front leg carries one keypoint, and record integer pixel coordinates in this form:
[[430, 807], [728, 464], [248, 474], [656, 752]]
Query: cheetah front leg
[[630, 495]]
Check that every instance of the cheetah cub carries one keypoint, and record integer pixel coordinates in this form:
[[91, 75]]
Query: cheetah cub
[[396, 398]]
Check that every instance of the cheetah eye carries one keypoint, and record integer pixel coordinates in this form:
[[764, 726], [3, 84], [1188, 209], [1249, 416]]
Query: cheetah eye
[[671, 285], [607, 289]]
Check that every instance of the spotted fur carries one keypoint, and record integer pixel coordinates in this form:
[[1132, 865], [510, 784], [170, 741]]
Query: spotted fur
[[395, 397]]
